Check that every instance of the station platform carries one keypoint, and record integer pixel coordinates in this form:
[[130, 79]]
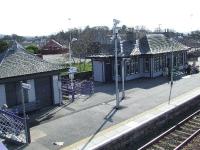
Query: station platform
[[110, 134], [92, 122]]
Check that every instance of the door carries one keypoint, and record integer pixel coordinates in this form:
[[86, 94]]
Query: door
[[108, 72], [13, 94], [98, 71], [43, 90]]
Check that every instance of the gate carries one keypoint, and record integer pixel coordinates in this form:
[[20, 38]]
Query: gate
[[79, 87], [12, 127]]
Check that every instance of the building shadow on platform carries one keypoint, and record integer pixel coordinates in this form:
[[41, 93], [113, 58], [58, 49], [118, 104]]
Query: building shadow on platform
[[107, 118]]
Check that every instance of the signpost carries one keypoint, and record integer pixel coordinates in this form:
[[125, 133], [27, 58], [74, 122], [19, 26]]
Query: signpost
[[72, 71], [27, 87]]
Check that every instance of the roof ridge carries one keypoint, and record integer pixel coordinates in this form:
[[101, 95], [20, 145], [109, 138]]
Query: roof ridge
[[4, 55]]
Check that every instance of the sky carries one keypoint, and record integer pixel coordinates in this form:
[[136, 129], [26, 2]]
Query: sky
[[45, 17]]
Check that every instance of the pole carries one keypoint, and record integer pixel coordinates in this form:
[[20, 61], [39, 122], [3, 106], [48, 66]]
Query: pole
[[116, 72], [172, 65], [115, 34], [71, 75], [123, 89], [70, 64], [24, 113]]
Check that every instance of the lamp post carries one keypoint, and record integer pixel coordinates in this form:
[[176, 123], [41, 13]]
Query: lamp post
[[122, 71], [72, 70], [71, 73], [115, 33]]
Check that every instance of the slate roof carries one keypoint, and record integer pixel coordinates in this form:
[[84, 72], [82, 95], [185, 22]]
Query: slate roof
[[149, 44], [108, 50], [158, 43], [16, 62]]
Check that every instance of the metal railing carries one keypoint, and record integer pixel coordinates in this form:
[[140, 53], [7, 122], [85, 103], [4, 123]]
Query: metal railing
[[12, 126]]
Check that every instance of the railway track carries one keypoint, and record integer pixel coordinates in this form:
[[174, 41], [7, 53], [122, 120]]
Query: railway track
[[177, 136]]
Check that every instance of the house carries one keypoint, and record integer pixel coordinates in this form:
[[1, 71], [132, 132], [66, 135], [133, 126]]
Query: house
[[53, 47], [17, 65], [147, 57], [54, 52]]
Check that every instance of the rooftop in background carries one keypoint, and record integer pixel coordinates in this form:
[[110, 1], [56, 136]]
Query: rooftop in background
[[16, 62], [53, 47]]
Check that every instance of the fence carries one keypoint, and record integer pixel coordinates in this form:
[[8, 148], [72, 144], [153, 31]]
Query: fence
[[12, 127], [79, 87]]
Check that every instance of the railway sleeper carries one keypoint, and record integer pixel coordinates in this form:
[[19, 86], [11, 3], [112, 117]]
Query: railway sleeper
[[156, 147], [189, 125], [168, 145], [171, 141], [197, 120], [165, 146], [197, 117], [177, 137], [182, 133], [186, 129], [194, 122]]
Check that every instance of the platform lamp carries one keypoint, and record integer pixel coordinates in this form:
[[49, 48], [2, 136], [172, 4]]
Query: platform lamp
[[122, 70], [115, 35], [72, 70]]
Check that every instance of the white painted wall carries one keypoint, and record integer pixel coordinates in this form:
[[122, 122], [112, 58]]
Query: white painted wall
[[2, 95], [31, 92], [56, 90]]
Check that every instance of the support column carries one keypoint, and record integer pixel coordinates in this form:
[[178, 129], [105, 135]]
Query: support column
[[152, 66], [2, 95], [31, 92]]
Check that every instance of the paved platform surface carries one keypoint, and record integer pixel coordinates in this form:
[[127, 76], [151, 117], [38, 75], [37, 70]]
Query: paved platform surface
[[113, 132], [87, 117]]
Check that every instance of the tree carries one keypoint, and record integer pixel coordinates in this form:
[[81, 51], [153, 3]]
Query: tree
[[13, 37], [3, 46], [32, 49]]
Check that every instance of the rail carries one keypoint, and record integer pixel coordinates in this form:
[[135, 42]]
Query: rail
[[172, 129]]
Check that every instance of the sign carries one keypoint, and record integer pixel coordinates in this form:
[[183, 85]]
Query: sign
[[26, 86], [72, 70], [71, 76]]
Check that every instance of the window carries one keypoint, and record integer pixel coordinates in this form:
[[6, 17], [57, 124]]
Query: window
[[132, 66], [164, 62], [180, 59], [156, 64], [175, 60], [128, 68], [160, 64], [137, 67], [146, 64]]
